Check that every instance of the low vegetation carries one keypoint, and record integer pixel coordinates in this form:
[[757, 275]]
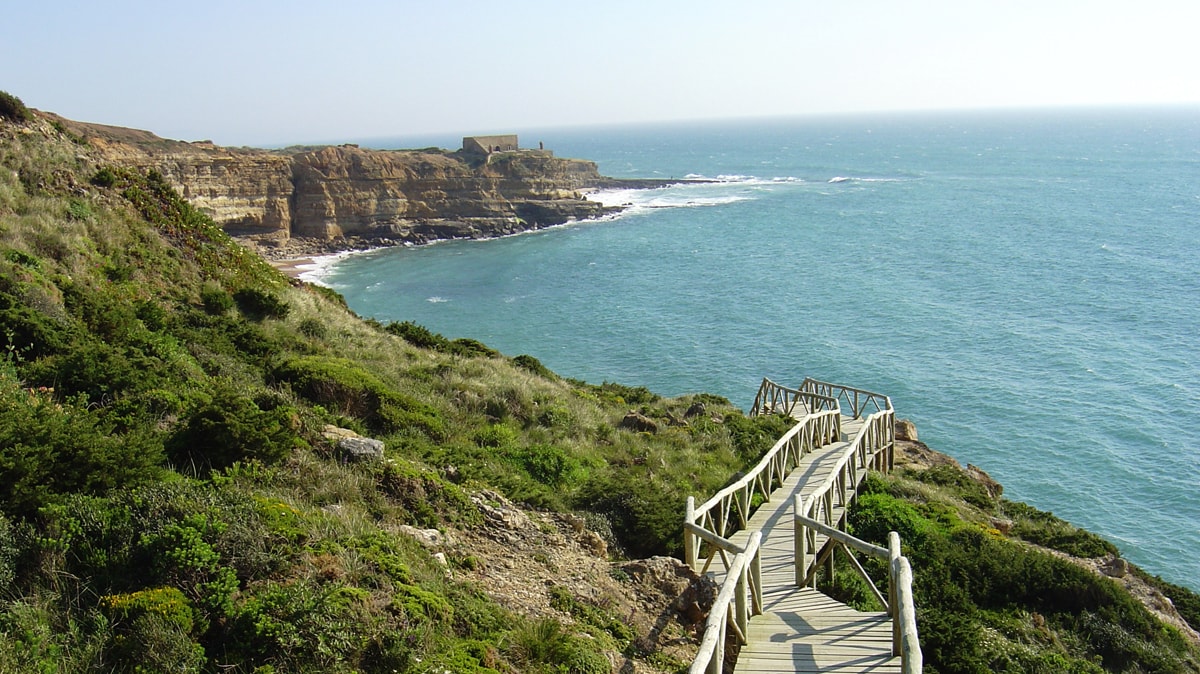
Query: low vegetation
[[992, 595], [169, 499]]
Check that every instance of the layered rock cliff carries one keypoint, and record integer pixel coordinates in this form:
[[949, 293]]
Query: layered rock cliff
[[346, 191]]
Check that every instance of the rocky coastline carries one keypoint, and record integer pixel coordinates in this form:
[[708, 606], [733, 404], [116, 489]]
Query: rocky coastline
[[305, 202]]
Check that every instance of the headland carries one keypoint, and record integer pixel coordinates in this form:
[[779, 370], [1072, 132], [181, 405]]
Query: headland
[[295, 203]]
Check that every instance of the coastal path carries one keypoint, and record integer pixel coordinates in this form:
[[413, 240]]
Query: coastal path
[[768, 536]]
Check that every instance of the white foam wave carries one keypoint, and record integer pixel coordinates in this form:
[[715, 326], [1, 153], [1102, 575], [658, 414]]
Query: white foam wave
[[436, 300], [851, 179], [318, 268], [741, 179]]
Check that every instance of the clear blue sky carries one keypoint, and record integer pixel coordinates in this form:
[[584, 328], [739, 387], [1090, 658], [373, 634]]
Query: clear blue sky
[[272, 72]]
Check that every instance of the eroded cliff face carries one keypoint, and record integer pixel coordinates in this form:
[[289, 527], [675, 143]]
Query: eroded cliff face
[[347, 191]]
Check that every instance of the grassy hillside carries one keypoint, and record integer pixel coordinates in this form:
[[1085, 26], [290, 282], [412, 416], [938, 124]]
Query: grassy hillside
[[1003, 587], [170, 497]]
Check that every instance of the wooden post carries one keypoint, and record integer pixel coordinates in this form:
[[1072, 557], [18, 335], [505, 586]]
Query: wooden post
[[911, 659], [717, 664], [689, 539], [756, 581], [800, 543], [829, 564], [742, 601], [893, 589]]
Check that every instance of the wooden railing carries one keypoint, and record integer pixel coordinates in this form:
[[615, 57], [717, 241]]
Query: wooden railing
[[728, 511], [714, 522], [857, 400], [899, 602], [872, 447], [773, 398], [740, 597]]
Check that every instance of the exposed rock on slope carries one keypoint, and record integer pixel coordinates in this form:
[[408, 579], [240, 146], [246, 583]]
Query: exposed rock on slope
[[543, 564]]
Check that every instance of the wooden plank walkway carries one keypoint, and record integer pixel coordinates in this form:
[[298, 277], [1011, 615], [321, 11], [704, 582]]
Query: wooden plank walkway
[[802, 630]]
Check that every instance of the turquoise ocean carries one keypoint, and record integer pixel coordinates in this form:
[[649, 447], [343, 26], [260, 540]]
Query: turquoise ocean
[[1025, 285]]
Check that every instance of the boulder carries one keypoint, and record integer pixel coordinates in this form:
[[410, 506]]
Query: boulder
[[351, 446], [1115, 567], [360, 449], [906, 430], [638, 423], [1001, 524]]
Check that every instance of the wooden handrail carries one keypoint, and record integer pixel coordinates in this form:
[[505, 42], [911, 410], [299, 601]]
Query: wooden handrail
[[911, 659], [728, 510], [715, 521], [857, 399], [899, 604], [778, 399], [739, 598], [872, 446]]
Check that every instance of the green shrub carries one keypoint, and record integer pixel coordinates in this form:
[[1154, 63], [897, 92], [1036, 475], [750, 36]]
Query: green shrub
[[644, 511], [1043, 528], [12, 109], [549, 465], [401, 414], [99, 371], [472, 348], [422, 337], [418, 335], [182, 555], [8, 555], [349, 389], [531, 364], [312, 327], [302, 626], [543, 646], [29, 332], [753, 436], [215, 300], [966, 488], [258, 304], [153, 631], [624, 395], [104, 177], [495, 436], [233, 427], [429, 500], [77, 209], [50, 448], [964, 573], [874, 515]]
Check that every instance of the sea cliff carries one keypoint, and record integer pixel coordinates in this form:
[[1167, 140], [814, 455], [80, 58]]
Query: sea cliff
[[345, 192]]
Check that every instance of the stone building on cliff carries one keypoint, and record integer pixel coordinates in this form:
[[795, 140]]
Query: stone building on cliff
[[489, 144]]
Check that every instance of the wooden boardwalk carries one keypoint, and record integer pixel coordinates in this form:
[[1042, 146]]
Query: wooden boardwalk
[[801, 629]]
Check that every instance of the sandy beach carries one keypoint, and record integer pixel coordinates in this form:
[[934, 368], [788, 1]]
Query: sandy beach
[[293, 267]]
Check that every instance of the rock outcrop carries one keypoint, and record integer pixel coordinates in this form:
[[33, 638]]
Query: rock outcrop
[[412, 196]]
